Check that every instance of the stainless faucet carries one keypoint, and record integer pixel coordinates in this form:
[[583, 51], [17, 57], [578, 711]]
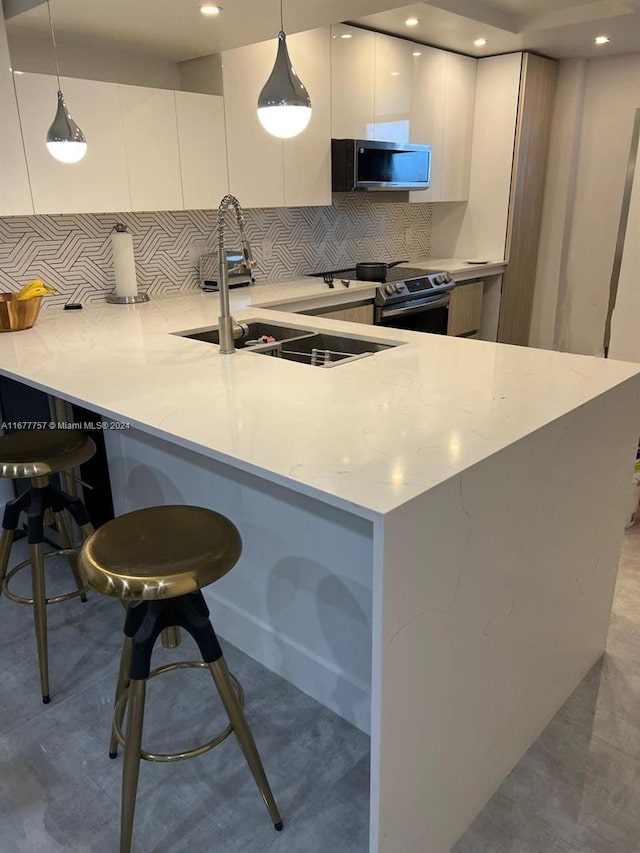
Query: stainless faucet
[[225, 320]]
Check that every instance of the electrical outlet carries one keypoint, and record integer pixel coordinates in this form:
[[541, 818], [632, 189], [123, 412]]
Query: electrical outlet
[[267, 250]]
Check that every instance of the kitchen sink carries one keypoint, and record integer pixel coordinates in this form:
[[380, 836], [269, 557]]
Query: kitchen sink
[[247, 335], [317, 349]]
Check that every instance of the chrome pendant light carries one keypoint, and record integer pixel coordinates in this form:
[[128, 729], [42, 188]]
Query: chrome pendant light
[[65, 141], [284, 105]]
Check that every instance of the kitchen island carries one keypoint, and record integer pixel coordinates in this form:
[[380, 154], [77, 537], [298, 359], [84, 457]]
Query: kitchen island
[[430, 534]]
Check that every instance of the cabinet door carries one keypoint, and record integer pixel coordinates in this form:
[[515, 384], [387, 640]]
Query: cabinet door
[[358, 314], [151, 144], [393, 89], [203, 149], [256, 168], [427, 113], [353, 69], [465, 309], [458, 127], [99, 182], [307, 158], [15, 193]]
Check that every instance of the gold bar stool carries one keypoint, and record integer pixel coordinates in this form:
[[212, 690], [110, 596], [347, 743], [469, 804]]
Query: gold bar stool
[[159, 559], [36, 455]]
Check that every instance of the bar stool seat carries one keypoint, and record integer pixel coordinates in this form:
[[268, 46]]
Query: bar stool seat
[[158, 560], [36, 455]]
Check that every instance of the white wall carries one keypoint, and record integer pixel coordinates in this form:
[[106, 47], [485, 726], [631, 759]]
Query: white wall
[[94, 62], [591, 138], [478, 229]]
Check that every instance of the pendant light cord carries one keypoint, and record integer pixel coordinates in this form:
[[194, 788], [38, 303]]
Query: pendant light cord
[[55, 47], [281, 16]]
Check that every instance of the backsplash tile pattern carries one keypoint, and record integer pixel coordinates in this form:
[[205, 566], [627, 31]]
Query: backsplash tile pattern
[[73, 253]]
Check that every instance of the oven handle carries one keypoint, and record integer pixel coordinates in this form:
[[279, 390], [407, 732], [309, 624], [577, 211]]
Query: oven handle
[[414, 308]]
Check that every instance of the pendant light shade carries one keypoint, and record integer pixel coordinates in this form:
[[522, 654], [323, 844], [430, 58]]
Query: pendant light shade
[[65, 141], [284, 105]]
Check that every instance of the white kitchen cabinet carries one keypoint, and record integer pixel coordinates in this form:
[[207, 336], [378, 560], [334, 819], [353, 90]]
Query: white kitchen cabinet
[[393, 89], [353, 75], [151, 144], [459, 110], [307, 158], [99, 182], [203, 149], [15, 193], [428, 114], [256, 166], [265, 171], [442, 116]]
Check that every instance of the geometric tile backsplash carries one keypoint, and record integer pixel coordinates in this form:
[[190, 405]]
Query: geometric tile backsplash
[[73, 252]]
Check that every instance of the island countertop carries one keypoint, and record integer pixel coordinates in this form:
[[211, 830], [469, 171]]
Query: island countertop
[[368, 435]]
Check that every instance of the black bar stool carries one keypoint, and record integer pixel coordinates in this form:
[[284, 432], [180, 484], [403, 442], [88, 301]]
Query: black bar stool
[[36, 455], [159, 559]]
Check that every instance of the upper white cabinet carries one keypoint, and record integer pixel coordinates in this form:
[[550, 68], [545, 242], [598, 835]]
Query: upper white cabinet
[[307, 158], [99, 182], [265, 171], [203, 149], [460, 97], [428, 113], [151, 144], [256, 167], [15, 194], [393, 89], [353, 76]]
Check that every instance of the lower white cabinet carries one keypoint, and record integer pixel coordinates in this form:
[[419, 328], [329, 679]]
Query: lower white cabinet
[[203, 149], [97, 184], [151, 144]]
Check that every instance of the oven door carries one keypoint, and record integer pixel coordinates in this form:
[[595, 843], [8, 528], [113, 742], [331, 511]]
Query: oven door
[[421, 315]]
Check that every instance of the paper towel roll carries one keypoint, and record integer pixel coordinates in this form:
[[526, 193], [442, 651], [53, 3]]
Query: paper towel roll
[[124, 264]]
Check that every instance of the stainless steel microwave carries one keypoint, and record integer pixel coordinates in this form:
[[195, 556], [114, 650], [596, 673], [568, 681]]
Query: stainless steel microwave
[[364, 164]]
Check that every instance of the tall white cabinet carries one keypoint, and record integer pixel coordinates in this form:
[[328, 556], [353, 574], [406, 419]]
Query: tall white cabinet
[[393, 89], [353, 77], [99, 182], [202, 143], [15, 194], [265, 171]]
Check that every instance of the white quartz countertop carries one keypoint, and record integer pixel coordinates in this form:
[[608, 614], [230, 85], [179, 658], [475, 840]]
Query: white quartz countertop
[[367, 436]]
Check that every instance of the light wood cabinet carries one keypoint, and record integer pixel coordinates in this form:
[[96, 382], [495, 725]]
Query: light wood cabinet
[[151, 145], [393, 89], [99, 182], [353, 75], [465, 309], [356, 314], [203, 149], [15, 192]]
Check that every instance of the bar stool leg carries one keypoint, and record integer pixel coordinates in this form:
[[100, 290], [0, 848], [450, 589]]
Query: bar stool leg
[[245, 738], [40, 616], [6, 541], [65, 535], [123, 683], [131, 765]]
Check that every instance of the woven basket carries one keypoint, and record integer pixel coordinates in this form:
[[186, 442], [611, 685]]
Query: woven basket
[[17, 314]]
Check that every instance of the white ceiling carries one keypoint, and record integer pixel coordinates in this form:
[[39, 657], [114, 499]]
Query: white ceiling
[[558, 28], [175, 30]]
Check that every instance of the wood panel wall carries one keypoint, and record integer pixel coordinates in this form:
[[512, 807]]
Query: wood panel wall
[[533, 130]]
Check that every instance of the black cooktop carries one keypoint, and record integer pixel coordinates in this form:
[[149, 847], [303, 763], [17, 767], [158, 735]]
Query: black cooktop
[[393, 274]]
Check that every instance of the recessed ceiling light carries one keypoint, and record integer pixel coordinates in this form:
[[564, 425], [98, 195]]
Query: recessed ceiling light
[[395, 73], [480, 42], [417, 53], [412, 22], [602, 40], [210, 9], [346, 36]]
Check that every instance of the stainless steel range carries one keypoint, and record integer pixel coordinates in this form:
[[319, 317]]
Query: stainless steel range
[[409, 298]]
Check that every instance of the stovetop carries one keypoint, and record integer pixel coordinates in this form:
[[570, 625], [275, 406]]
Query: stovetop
[[404, 284], [393, 274]]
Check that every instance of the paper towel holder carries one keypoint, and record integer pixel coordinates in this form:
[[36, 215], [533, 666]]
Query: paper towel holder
[[114, 298]]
